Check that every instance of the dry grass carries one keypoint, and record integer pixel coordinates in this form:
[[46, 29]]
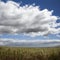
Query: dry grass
[[15, 53]]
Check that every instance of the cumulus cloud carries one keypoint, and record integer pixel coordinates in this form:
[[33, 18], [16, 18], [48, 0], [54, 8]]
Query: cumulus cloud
[[29, 43], [30, 20]]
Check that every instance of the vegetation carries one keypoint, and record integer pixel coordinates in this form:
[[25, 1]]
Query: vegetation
[[16, 53]]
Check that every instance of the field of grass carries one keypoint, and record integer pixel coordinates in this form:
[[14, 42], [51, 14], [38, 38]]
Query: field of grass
[[16, 53]]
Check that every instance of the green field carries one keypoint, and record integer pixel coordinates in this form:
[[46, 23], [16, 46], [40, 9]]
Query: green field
[[16, 53]]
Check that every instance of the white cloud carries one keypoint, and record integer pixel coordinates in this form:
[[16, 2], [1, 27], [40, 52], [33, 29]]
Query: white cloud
[[29, 43], [30, 20]]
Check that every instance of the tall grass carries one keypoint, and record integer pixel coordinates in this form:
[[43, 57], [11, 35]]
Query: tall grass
[[15, 53]]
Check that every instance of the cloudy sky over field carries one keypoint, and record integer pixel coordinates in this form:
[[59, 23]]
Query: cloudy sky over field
[[30, 23]]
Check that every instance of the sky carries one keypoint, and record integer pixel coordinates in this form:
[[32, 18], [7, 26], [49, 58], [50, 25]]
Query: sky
[[30, 23]]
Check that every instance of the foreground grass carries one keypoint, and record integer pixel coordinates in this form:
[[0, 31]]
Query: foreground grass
[[15, 53]]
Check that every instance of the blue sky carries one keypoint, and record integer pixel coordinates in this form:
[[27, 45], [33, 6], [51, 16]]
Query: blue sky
[[49, 7], [49, 4]]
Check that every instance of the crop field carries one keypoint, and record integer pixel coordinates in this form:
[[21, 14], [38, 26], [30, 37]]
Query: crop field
[[21, 53]]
